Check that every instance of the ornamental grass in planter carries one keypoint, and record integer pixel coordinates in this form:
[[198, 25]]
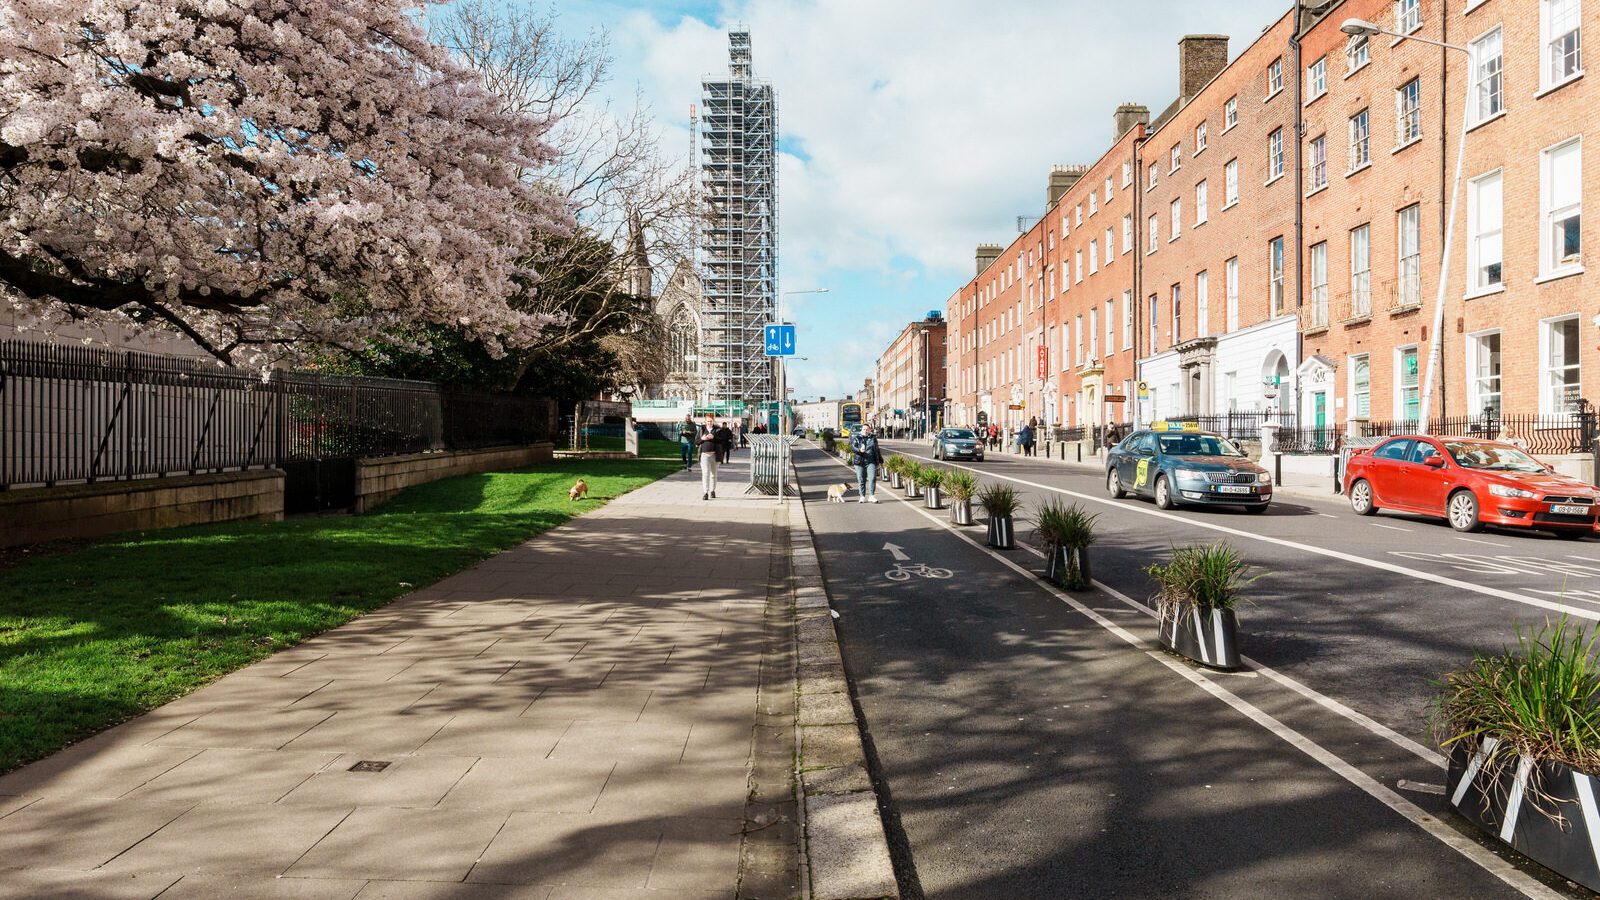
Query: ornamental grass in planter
[[931, 480], [999, 503], [1197, 593], [896, 467], [1065, 531], [962, 486], [910, 471], [1522, 732]]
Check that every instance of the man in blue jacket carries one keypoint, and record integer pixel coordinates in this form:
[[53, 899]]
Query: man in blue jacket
[[866, 457]]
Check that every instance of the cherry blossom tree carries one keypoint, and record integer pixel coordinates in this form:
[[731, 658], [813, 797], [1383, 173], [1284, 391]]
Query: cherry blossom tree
[[265, 176]]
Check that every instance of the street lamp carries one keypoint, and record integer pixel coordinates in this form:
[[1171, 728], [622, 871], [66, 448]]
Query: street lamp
[[1361, 27]]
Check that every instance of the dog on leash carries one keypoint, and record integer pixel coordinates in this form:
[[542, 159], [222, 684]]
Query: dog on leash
[[581, 489], [836, 492]]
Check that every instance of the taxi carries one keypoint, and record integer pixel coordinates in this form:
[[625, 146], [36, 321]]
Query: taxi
[[1175, 463]]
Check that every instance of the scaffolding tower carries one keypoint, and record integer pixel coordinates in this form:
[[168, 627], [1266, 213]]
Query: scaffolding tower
[[739, 227]]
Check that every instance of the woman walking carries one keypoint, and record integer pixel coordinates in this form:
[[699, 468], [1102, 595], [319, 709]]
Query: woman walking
[[866, 457], [710, 448]]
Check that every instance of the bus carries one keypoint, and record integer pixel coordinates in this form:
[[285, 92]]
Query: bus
[[849, 417]]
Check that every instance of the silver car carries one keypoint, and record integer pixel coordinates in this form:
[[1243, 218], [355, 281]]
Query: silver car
[[957, 443]]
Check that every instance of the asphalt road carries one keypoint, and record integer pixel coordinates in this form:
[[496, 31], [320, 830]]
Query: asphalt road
[[1031, 744]]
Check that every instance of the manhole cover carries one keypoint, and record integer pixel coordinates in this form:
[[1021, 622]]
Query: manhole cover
[[370, 765]]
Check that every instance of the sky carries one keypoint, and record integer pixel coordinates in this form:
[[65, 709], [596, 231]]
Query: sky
[[910, 131]]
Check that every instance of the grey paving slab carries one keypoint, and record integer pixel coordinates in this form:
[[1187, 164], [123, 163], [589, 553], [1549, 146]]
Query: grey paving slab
[[499, 736], [57, 884], [246, 887], [662, 742], [402, 845], [585, 892], [369, 696], [531, 785], [605, 704], [500, 698], [675, 791], [408, 781], [548, 848], [234, 776], [370, 732], [245, 729], [254, 839], [434, 890], [95, 768], [80, 833], [697, 853]]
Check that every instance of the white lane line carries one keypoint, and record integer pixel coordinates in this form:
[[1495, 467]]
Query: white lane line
[[1390, 527], [1446, 835], [1328, 515], [1477, 541], [1304, 548]]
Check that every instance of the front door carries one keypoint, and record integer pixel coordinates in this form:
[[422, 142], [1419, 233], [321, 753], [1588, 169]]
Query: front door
[[1319, 409]]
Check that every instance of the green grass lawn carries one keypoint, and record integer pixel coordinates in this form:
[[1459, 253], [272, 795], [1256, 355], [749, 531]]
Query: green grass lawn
[[94, 636], [648, 449]]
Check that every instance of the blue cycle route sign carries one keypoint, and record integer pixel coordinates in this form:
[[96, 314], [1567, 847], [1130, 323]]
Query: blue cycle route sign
[[780, 340]]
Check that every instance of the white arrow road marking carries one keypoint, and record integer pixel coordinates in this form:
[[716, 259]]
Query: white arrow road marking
[[1419, 787], [899, 552]]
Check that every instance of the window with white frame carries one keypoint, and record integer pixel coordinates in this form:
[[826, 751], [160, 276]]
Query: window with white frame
[[1357, 52], [1317, 79], [1485, 218], [1202, 304], [1154, 176], [1127, 233], [1177, 315], [1317, 171], [1201, 204], [1408, 112], [1094, 256], [1077, 215], [1199, 138], [1361, 386], [1407, 397], [1111, 327], [1107, 190], [1127, 320], [1230, 294], [1274, 76], [1230, 183], [1560, 22], [1066, 226], [1175, 158], [1127, 174], [1155, 323], [1560, 364], [1077, 344], [1407, 15], [1177, 219], [1488, 77], [1094, 204], [1077, 265], [1108, 248], [1275, 276], [1275, 154], [1360, 141], [1319, 284], [1230, 113], [1154, 230], [1360, 271], [1483, 374], [1094, 332], [1408, 245], [1561, 207]]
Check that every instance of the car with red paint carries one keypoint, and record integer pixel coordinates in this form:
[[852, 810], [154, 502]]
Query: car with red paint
[[1470, 483]]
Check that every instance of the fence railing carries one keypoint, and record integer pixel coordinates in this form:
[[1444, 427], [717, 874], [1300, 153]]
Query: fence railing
[[1241, 424], [1538, 434], [83, 414], [1326, 439]]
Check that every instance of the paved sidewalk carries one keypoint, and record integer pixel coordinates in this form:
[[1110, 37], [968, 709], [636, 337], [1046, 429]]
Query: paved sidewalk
[[570, 719]]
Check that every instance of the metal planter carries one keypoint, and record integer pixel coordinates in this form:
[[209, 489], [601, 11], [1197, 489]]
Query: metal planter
[[912, 491], [961, 511], [1500, 803], [1208, 637], [1058, 562], [1002, 533], [933, 498], [894, 480]]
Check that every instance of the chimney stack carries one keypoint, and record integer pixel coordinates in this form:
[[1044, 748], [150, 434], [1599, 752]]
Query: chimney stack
[[1129, 115], [1200, 58], [987, 253], [1062, 178]]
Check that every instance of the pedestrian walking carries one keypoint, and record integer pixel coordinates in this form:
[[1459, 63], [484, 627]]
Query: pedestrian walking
[[1025, 439], [710, 455], [866, 457], [725, 441], [687, 433], [743, 440]]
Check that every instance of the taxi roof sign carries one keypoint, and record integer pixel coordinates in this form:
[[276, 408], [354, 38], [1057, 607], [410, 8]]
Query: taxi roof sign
[[1174, 426]]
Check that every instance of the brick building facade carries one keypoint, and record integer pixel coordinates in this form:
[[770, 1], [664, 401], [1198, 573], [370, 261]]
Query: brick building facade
[[910, 372]]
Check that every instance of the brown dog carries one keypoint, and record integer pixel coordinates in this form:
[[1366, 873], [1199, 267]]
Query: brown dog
[[581, 489]]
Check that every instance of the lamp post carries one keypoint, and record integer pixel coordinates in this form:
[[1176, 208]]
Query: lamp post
[[1436, 339]]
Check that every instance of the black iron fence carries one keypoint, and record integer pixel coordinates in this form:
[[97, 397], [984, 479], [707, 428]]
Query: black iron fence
[[1324, 440], [1241, 425], [1537, 434], [82, 414]]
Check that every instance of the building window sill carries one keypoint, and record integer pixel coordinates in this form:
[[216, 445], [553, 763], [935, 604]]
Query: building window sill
[[1349, 72], [1405, 310], [1473, 4], [1309, 101], [1315, 329], [1317, 190], [1482, 122], [1228, 206], [1488, 291], [1268, 98], [1361, 168], [1277, 177], [1353, 321], [1228, 128], [1199, 222], [1411, 143], [1197, 151], [1559, 274], [1559, 85]]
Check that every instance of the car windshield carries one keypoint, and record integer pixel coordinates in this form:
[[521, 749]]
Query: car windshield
[[1196, 445], [959, 434], [1497, 457]]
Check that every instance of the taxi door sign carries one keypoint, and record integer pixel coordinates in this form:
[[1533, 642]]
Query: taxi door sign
[[1174, 426], [1141, 474]]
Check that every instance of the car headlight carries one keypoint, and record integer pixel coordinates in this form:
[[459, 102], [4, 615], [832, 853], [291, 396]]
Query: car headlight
[[1264, 478], [1191, 474], [1502, 490]]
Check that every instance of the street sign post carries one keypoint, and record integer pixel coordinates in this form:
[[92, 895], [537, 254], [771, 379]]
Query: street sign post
[[780, 340]]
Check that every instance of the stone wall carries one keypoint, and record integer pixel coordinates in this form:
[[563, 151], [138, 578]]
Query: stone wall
[[379, 478], [36, 515]]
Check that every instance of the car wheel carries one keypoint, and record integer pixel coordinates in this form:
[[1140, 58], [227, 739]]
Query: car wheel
[[1361, 498], [1462, 511], [1114, 485], [1163, 493]]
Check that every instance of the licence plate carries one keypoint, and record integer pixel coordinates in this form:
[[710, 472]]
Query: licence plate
[[1570, 510], [1235, 489]]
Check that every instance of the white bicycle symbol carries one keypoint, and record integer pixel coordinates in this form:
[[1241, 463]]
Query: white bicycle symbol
[[904, 571]]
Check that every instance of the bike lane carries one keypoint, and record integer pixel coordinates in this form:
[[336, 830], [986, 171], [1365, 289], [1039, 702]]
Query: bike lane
[[1026, 750]]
